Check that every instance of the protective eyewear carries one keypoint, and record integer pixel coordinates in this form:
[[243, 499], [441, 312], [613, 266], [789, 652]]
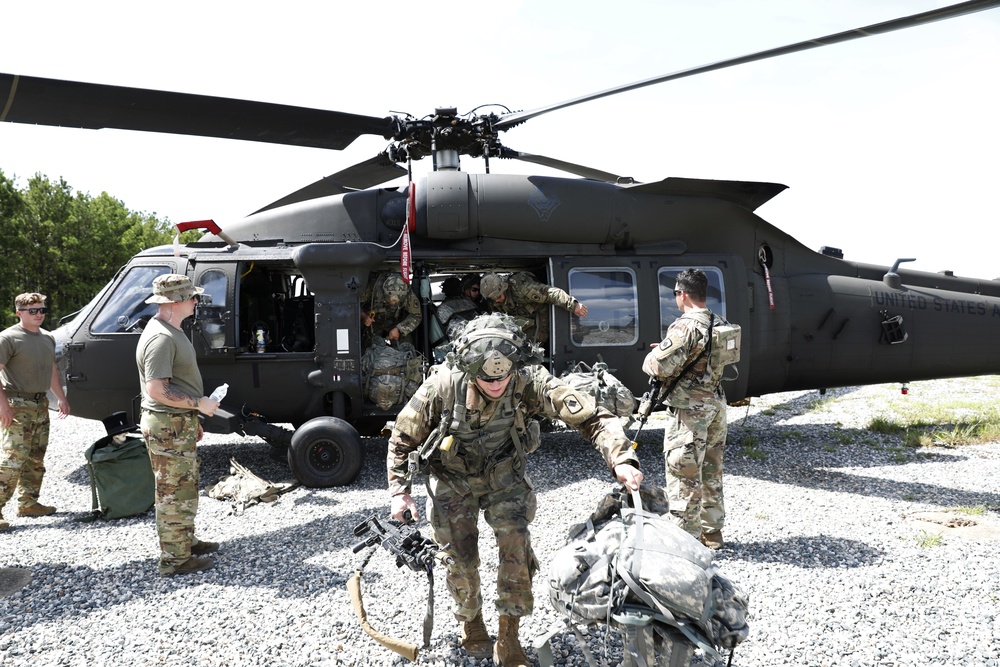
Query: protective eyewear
[[473, 289], [678, 292], [34, 311], [488, 378]]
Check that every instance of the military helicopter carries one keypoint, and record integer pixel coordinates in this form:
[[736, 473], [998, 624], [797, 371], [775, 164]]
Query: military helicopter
[[282, 326]]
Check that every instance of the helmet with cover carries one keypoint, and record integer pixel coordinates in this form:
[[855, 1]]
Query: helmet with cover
[[492, 286], [395, 289], [491, 347]]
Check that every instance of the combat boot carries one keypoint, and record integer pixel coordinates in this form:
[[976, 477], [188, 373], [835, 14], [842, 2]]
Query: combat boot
[[712, 539], [507, 650], [202, 547], [36, 509], [475, 639], [191, 565], [4, 526]]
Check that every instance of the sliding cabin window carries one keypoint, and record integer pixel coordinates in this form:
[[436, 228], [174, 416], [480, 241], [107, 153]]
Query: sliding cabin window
[[610, 296], [715, 299]]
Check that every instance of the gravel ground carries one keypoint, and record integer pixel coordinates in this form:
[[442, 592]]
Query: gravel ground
[[822, 533]]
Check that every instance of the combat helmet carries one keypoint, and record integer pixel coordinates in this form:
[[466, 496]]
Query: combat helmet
[[492, 286], [394, 289], [492, 346]]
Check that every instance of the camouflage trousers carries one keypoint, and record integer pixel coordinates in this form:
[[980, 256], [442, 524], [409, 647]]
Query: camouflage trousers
[[24, 443], [454, 518], [694, 440], [171, 440]]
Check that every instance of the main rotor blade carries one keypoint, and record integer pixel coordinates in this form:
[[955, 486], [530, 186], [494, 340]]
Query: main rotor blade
[[952, 11], [569, 167], [33, 100], [371, 172]]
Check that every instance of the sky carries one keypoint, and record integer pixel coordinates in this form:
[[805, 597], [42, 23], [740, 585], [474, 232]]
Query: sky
[[889, 144]]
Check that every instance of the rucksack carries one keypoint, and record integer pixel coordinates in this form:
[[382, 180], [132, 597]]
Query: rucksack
[[607, 390], [121, 479], [634, 569], [391, 373]]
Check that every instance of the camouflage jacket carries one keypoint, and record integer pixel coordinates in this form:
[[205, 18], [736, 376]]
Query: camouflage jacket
[[533, 391], [526, 296], [686, 338], [406, 316]]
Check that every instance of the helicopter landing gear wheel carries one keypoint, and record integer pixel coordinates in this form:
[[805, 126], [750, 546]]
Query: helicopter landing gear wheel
[[325, 452]]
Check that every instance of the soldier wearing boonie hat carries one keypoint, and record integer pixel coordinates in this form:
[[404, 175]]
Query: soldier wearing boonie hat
[[172, 398], [469, 429], [173, 288]]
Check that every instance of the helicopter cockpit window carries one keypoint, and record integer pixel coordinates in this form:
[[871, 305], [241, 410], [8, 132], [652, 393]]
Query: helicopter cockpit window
[[211, 310], [610, 295], [126, 310], [215, 285], [715, 299]]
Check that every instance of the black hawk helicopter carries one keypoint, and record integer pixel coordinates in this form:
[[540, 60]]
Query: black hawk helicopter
[[282, 327]]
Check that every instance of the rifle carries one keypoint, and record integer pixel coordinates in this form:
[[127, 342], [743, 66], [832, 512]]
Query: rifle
[[653, 397], [649, 401], [411, 549]]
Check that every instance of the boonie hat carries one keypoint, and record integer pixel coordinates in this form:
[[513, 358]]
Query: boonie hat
[[173, 288]]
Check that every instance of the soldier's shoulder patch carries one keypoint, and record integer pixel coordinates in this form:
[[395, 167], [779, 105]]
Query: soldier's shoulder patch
[[666, 344], [572, 404]]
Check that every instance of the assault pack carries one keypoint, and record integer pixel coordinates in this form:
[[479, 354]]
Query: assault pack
[[636, 571], [607, 390], [392, 373]]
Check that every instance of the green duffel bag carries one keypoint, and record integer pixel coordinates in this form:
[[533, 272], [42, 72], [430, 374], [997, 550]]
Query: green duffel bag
[[121, 478]]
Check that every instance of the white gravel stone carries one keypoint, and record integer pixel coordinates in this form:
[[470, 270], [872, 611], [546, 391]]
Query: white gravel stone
[[817, 534]]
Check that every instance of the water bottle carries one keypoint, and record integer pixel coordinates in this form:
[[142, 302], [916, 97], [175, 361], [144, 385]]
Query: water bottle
[[220, 392]]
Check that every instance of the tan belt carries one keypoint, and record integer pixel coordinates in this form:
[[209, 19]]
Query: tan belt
[[27, 395]]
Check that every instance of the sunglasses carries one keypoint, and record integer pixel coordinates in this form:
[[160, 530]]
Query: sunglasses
[[678, 292], [34, 311], [490, 378]]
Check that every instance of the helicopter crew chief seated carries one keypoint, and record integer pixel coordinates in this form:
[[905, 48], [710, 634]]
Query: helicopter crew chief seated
[[27, 371], [526, 299], [468, 429], [172, 397], [389, 309], [695, 433]]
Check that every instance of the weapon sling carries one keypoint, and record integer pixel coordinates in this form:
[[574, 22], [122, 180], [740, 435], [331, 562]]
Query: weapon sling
[[405, 649], [657, 397]]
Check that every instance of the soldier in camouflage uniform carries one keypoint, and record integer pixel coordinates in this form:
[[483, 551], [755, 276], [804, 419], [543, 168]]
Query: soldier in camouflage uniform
[[468, 429], [27, 371], [172, 397], [460, 306], [695, 433], [520, 295], [389, 309]]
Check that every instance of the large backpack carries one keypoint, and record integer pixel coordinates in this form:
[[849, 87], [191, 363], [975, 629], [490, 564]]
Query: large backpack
[[607, 390], [634, 569], [121, 479], [392, 373]]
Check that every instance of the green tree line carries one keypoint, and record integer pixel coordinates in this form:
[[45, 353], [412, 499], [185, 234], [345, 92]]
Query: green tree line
[[67, 245]]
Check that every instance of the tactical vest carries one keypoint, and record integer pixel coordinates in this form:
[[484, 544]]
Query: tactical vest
[[497, 453]]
